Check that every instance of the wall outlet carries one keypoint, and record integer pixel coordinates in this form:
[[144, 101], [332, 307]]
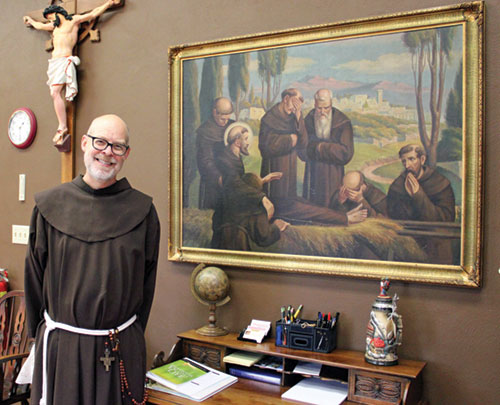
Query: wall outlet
[[20, 234]]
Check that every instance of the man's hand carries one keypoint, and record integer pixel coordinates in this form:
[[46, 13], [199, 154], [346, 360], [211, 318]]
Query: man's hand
[[268, 205], [294, 139], [272, 176], [411, 184], [356, 196], [282, 225], [297, 107], [357, 215], [343, 194], [28, 21]]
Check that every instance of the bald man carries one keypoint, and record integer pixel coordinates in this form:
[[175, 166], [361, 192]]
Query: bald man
[[210, 142], [89, 278], [330, 147], [356, 191]]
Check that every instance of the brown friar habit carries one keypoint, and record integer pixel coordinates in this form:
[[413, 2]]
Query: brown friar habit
[[434, 201], [326, 158], [296, 210], [209, 142], [374, 201], [91, 263], [278, 154], [244, 220], [235, 191]]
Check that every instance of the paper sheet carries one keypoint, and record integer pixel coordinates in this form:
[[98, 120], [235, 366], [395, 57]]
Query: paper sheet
[[318, 392]]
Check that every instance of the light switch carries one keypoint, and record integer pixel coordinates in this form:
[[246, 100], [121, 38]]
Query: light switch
[[22, 187]]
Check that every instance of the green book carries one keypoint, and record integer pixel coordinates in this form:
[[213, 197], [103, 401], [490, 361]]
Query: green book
[[179, 372], [190, 379]]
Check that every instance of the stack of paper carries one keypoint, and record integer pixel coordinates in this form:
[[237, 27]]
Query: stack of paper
[[189, 379], [306, 367], [242, 358], [316, 391], [257, 330]]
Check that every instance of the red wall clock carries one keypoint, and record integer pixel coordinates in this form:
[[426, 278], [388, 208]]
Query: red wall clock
[[22, 127]]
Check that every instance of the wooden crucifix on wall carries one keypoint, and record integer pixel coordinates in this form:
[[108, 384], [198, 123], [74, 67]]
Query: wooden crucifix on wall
[[70, 22]]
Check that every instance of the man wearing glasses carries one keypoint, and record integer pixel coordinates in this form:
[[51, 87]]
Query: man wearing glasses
[[90, 277]]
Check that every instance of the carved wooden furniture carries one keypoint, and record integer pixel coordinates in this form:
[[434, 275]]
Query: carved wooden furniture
[[368, 384], [14, 347]]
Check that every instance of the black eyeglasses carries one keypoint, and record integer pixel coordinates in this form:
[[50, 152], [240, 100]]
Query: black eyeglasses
[[118, 149]]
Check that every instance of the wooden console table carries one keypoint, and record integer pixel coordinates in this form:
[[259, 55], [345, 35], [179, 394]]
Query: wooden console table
[[368, 384]]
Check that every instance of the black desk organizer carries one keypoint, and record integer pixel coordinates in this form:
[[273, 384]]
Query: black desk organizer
[[299, 335]]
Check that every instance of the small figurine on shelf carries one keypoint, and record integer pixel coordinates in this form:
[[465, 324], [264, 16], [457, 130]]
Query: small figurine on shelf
[[385, 329]]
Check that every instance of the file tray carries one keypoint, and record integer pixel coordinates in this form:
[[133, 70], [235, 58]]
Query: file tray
[[302, 335]]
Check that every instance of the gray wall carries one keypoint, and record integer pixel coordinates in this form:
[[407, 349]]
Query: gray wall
[[455, 330]]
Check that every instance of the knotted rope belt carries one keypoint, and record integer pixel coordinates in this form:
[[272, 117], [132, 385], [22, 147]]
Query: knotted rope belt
[[51, 325]]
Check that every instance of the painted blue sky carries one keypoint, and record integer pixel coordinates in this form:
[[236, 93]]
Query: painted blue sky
[[354, 62]]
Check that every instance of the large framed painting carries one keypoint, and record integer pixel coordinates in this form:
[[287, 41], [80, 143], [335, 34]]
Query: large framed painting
[[351, 149]]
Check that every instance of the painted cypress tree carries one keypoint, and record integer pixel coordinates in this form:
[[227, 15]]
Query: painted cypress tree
[[211, 85], [190, 122], [450, 145], [238, 79]]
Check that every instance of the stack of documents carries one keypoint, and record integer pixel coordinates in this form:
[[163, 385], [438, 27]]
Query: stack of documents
[[189, 379], [308, 368], [242, 358], [316, 391]]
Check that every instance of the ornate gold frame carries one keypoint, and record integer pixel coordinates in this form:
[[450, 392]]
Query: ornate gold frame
[[468, 273]]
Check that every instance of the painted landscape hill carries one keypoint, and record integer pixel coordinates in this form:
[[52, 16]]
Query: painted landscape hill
[[396, 93]]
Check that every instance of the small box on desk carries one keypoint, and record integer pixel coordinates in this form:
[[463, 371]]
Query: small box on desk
[[305, 335]]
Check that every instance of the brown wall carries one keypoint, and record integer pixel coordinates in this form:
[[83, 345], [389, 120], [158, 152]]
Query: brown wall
[[455, 330]]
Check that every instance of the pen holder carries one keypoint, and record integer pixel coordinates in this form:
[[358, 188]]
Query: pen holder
[[301, 335]]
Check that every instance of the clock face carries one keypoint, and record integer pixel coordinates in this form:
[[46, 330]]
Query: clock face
[[22, 127]]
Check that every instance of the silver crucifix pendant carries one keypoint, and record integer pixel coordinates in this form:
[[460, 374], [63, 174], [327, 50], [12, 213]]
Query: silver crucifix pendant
[[107, 359]]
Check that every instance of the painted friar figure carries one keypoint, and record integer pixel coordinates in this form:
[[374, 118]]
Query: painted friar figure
[[62, 66]]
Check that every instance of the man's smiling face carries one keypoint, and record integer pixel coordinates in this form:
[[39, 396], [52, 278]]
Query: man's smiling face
[[102, 165]]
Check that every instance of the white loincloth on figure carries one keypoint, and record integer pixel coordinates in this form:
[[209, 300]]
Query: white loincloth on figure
[[62, 71]]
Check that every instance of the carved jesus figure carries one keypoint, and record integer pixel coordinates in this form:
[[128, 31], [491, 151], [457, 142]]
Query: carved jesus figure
[[62, 66]]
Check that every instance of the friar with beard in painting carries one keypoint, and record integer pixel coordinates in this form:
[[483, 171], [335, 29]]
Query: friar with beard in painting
[[330, 147], [244, 205], [421, 193]]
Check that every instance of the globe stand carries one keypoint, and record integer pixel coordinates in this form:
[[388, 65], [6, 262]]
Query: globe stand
[[210, 286], [211, 329]]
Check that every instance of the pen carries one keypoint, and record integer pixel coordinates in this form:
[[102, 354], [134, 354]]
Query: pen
[[282, 314], [319, 344], [296, 315], [334, 320], [320, 317]]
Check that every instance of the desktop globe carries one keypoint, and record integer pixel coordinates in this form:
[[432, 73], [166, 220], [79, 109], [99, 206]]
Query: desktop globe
[[210, 286]]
